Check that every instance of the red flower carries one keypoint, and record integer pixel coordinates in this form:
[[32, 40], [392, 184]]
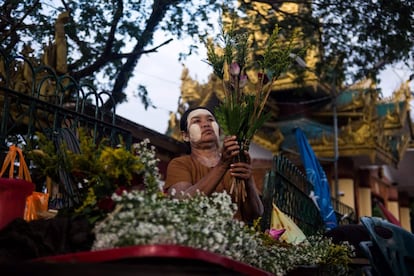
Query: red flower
[[106, 204], [120, 190]]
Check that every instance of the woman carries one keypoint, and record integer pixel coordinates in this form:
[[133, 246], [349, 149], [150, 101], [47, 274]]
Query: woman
[[209, 168]]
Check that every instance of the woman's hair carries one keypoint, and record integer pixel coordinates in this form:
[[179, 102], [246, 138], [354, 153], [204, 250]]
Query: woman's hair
[[183, 120]]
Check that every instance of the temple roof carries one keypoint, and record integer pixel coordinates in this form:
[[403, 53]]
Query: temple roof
[[368, 126]]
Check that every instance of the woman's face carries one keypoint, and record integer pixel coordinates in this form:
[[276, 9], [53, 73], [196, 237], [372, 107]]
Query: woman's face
[[201, 125]]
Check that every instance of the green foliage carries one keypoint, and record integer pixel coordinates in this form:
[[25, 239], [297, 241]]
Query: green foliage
[[98, 170], [216, 61], [47, 159], [102, 164], [277, 53]]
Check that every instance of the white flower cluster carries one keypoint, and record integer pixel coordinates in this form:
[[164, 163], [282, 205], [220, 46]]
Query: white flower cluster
[[202, 222], [148, 157], [155, 219]]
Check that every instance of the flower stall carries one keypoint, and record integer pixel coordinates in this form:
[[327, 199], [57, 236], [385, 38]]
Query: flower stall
[[139, 223], [113, 217]]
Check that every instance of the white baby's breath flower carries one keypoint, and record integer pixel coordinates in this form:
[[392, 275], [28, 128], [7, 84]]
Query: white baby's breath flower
[[201, 222]]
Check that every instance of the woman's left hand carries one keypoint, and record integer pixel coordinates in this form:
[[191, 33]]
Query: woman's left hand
[[242, 170]]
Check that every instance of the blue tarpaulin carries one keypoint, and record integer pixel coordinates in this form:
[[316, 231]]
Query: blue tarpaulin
[[317, 177]]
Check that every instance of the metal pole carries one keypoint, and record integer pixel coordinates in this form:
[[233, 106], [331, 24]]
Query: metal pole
[[336, 152]]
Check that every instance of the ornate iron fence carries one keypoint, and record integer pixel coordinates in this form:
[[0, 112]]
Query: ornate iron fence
[[35, 98], [286, 186]]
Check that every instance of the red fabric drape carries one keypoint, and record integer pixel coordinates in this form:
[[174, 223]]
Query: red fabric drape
[[388, 215]]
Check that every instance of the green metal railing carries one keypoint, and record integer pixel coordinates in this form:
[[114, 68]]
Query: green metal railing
[[287, 187], [344, 213], [36, 99]]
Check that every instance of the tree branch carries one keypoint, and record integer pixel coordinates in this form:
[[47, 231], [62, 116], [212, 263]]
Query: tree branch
[[160, 7], [153, 50], [19, 22], [114, 56], [107, 53]]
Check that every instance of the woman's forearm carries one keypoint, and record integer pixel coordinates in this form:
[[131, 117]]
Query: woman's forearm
[[253, 206]]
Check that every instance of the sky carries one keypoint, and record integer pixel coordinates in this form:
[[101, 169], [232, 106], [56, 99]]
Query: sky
[[160, 72]]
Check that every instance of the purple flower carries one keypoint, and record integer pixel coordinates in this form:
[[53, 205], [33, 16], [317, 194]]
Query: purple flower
[[234, 69]]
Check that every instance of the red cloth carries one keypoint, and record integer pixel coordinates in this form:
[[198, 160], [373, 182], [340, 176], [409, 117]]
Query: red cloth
[[388, 215], [13, 193]]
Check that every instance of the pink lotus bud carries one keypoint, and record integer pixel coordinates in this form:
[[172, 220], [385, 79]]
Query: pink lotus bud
[[234, 69], [243, 81], [276, 233]]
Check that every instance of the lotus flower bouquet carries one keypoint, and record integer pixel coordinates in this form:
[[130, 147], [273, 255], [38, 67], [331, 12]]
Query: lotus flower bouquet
[[248, 77]]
